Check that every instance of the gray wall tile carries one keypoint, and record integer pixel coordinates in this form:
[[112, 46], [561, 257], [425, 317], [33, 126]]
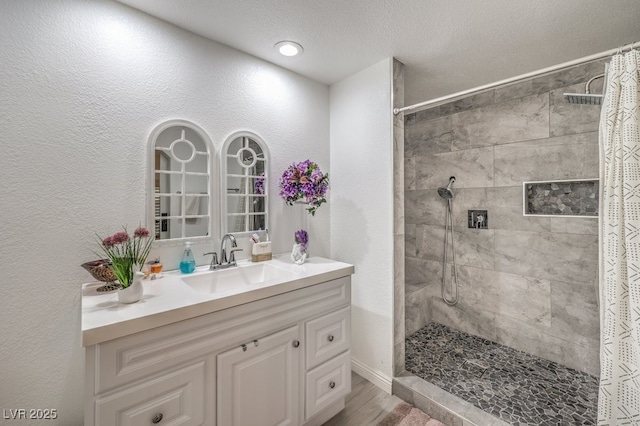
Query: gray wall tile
[[563, 257], [505, 207], [425, 137], [574, 225], [504, 294], [568, 119], [473, 168], [568, 157], [574, 308], [424, 207], [511, 121]]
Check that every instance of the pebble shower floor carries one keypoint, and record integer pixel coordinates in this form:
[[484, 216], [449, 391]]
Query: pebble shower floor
[[519, 388]]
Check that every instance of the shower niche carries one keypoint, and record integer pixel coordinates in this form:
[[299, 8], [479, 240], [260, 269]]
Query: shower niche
[[567, 198]]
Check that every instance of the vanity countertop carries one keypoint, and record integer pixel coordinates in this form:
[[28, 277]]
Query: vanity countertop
[[169, 299]]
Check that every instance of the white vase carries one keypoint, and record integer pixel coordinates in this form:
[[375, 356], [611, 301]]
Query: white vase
[[133, 293], [298, 255]]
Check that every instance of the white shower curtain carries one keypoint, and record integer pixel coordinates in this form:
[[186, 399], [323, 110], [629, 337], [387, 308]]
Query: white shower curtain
[[619, 394]]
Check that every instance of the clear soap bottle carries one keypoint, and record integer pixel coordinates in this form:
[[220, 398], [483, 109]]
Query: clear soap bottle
[[188, 262]]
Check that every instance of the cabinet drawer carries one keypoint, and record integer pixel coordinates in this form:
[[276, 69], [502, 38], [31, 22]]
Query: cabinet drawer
[[327, 336], [327, 383], [176, 398]]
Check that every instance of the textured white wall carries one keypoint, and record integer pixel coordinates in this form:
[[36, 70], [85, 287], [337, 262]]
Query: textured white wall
[[82, 84], [362, 209]]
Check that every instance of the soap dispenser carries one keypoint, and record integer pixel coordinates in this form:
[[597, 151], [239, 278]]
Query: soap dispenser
[[188, 262]]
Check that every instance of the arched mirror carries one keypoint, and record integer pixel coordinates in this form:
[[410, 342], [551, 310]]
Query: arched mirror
[[245, 183], [180, 201]]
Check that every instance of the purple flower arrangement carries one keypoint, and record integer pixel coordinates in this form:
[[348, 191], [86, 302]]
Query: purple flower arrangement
[[305, 181], [302, 238], [126, 252]]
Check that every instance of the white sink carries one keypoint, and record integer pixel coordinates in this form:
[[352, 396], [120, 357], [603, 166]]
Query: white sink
[[238, 278]]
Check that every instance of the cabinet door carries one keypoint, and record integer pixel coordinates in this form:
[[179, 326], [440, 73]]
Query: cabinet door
[[259, 382]]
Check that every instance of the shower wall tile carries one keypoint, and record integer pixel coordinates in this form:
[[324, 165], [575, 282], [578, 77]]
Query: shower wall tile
[[574, 308], [473, 247], [505, 207], [422, 272], [568, 119], [567, 157], [398, 91], [514, 296], [574, 225], [424, 207], [409, 240], [465, 104], [511, 121], [473, 168], [417, 312], [409, 173], [562, 257], [570, 76], [425, 137], [581, 354], [468, 319]]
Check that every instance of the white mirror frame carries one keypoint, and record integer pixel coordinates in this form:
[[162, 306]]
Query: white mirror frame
[[150, 188], [223, 178]]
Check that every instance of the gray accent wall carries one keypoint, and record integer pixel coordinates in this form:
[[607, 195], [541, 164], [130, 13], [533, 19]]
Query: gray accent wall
[[526, 282]]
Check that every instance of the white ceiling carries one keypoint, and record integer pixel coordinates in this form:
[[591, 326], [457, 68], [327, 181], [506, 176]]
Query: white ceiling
[[447, 45]]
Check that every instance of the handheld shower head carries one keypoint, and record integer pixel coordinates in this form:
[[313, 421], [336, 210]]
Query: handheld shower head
[[447, 193]]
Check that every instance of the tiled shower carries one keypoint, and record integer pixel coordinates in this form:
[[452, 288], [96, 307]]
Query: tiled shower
[[526, 282]]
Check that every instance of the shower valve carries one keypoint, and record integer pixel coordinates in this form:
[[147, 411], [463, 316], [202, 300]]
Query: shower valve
[[478, 219]]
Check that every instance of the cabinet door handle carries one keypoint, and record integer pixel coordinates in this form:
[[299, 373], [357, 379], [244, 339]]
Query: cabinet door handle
[[296, 343], [332, 384], [330, 337], [157, 418]]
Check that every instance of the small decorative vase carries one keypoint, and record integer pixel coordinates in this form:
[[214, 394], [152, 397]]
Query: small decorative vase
[[298, 254], [133, 293]]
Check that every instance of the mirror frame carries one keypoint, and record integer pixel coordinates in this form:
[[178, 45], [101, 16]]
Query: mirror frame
[[223, 179], [150, 187]]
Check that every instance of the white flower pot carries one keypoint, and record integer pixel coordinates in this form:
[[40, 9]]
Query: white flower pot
[[133, 293]]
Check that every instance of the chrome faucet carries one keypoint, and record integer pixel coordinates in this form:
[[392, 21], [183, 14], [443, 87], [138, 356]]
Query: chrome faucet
[[224, 263]]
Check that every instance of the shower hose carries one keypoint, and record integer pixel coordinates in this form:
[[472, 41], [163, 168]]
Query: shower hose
[[448, 229]]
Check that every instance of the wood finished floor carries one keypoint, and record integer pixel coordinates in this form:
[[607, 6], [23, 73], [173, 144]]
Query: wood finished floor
[[366, 405]]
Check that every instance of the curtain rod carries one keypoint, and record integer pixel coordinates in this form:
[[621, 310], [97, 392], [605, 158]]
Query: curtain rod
[[443, 99]]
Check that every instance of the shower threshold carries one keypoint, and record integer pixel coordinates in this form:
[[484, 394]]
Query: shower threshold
[[469, 380]]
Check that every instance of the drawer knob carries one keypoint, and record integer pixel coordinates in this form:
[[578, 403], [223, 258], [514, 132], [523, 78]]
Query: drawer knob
[[157, 418], [296, 343], [330, 337], [332, 384], [244, 347]]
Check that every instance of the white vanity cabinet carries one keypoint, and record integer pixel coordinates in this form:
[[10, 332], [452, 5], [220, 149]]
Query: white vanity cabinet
[[279, 360]]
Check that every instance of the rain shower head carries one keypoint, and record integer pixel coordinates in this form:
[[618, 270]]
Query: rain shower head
[[583, 98], [586, 98], [447, 193]]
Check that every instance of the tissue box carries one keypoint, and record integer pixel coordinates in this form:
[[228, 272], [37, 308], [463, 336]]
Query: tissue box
[[261, 251]]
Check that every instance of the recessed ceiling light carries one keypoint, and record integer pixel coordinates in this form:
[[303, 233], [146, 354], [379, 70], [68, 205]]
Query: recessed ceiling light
[[288, 48]]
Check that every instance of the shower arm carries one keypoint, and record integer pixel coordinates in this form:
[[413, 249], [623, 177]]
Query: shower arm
[[586, 89]]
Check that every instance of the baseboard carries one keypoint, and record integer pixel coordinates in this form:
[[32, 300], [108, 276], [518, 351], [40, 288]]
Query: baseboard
[[375, 377]]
